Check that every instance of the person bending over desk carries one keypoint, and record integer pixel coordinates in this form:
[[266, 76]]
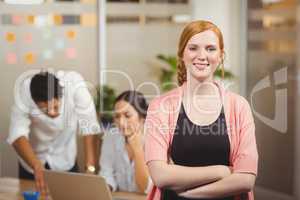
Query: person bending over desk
[[47, 110]]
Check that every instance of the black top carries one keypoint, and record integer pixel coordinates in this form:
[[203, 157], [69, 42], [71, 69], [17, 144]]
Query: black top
[[197, 146]]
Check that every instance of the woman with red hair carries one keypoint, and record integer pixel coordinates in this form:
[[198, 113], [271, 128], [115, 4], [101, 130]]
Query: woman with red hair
[[200, 137]]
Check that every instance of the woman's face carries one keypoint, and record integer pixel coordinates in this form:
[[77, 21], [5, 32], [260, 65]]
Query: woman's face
[[202, 55], [127, 118]]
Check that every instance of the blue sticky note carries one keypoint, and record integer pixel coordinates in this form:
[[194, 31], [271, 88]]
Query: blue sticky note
[[31, 195]]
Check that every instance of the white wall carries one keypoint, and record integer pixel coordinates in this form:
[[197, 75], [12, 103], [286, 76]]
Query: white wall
[[132, 49]]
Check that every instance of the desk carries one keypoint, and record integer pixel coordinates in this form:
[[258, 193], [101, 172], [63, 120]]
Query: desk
[[11, 188]]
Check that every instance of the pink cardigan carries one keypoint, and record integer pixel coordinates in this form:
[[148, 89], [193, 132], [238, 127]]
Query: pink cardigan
[[161, 121]]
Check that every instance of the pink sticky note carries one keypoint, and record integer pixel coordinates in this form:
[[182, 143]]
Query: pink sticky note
[[11, 58], [28, 38], [71, 53], [16, 19]]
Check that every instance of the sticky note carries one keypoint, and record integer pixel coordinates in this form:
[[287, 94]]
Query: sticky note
[[30, 19], [57, 19], [71, 34], [70, 19], [16, 19], [40, 21], [30, 58], [11, 58], [47, 54], [6, 19], [71, 53], [10, 37], [88, 19]]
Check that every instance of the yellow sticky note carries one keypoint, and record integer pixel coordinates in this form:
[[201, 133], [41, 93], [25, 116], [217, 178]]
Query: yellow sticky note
[[88, 19], [71, 34], [10, 37], [30, 19], [57, 20], [30, 58]]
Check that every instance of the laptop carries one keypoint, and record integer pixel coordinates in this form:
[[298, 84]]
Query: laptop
[[76, 186]]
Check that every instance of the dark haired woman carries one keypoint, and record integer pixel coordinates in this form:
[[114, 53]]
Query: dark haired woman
[[122, 162]]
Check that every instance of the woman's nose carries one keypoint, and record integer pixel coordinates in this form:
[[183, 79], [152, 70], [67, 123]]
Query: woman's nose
[[201, 55], [122, 122]]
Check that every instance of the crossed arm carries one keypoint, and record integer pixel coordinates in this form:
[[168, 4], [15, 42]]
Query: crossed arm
[[200, 182]]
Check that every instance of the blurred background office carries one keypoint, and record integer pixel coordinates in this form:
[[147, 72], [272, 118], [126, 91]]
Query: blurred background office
[[126, 44]]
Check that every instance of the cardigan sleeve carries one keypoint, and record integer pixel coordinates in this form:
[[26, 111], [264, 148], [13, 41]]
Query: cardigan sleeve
[[156, 133], [246, 157]]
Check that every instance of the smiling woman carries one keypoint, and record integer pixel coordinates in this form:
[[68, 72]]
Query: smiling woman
[[200, 138], [202, 55], [196, 43]]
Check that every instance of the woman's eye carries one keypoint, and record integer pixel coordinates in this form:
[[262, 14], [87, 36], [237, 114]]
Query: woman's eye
[[192, 48], [211, 49]]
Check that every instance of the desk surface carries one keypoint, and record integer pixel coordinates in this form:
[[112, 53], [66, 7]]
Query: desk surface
[[11, 188]]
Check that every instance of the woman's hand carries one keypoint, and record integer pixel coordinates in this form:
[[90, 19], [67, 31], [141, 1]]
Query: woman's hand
[[135, 143], [235, 184], [186, 194]]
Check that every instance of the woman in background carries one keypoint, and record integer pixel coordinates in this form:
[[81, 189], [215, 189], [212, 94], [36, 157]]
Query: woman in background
[[122, 162], [200, 138]]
